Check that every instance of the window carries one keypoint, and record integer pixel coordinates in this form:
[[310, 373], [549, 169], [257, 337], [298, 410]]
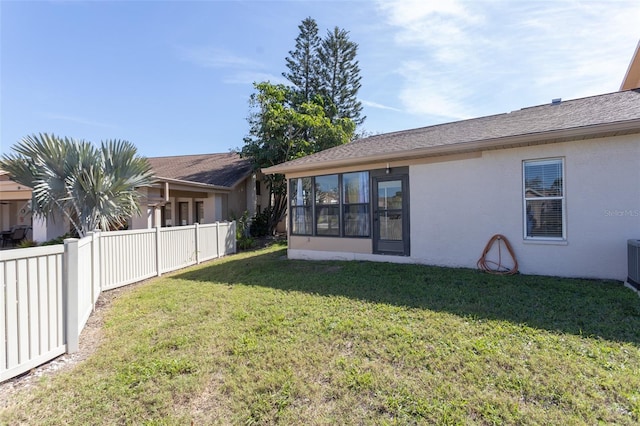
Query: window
[[355, 190], [199, 211], [258, 187], [300, 202], [327, 205], [166, 213], [183, 213], [544, 199], [331, 205]]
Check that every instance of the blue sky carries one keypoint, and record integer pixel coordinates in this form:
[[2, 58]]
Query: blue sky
[[175, 77]]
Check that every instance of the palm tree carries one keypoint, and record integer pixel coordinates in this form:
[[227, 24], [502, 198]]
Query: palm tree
[[93, 187]]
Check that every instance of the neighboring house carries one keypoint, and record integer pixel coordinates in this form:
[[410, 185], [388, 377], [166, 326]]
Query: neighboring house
[[561, 181], [15, 200], [632, 77], [15, 212], [188, 189], [15, 203], [200, 189]]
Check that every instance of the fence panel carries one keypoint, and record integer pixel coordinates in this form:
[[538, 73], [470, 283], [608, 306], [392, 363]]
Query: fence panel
[[177, 248], [208, 241], [40, 305], [227, 238], [126, 257], [31, 315]]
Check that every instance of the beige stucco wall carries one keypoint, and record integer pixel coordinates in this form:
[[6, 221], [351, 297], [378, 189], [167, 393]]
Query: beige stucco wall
[[236, 202], [456, 207], [350, 245]]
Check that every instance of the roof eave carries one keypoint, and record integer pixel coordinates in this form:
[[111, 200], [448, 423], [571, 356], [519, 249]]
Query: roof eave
[[551, 136], [159, 179], [242, 179]]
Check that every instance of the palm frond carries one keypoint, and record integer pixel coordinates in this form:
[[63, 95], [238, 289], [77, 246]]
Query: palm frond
[[93, 188]]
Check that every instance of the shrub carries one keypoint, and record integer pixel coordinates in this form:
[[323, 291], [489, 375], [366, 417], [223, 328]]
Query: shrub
[[59, 240], [260, 223], [26, 243]]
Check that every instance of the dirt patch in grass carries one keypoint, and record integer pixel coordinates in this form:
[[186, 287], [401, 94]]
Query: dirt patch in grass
[[90, 340]]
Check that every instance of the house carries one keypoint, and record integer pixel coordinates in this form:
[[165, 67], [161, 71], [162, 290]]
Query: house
[[201, 188], [632, 77], [15, 204], [188, 189], [561, 181]]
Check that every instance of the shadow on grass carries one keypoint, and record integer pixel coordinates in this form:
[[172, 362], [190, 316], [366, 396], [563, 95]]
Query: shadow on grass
[[591, 308]]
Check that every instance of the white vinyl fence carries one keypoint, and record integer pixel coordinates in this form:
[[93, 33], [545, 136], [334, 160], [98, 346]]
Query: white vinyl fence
[[48, 293]]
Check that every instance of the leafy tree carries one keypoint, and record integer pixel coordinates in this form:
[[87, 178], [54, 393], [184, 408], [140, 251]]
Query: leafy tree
[[303, 63], [281, 130], [340, 76], [93, 187]]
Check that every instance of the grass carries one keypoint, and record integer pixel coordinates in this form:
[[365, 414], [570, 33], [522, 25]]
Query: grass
[[258, 339]]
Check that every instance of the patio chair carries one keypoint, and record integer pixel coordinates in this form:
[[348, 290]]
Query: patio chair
[[6, 238], [18, 235]]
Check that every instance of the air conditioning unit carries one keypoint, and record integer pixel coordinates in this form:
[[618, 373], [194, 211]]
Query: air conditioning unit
[[633, 277]]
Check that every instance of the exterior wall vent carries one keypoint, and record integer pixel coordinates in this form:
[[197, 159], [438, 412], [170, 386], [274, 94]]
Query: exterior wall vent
[[633, 277], [556, 101]]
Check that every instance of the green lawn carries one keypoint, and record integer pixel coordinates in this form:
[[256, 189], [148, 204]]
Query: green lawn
[[258, 339]]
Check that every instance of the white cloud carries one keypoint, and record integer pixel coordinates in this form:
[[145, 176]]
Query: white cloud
[[431, 93], [213, 57], [404, 12], [474, 58], [378, 105], [236, 69]]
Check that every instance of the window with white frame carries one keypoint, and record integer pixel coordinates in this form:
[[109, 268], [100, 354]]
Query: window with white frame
[[544, 199]]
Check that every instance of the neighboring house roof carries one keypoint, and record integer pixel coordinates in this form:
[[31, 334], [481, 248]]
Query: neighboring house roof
[[222, 170], [632, 77], [595, 116]]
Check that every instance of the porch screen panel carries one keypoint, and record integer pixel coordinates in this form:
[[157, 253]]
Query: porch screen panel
[[327, 197], [356, 215], [300, 202]]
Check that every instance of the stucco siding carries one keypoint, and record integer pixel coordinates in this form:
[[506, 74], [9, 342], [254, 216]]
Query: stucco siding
[[328, 244], [457, 206]]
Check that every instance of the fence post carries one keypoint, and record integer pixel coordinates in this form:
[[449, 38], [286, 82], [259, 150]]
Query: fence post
[[197, 230], [217, 239], [95, 267], [158, 254], [232, 230], [97, 261], [70, 294]]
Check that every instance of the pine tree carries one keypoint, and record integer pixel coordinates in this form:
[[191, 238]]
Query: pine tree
[[303, 63], [340, 76]]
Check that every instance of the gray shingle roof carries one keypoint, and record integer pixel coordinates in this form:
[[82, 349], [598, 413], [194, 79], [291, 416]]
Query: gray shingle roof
[[225, 169], [568, 115]]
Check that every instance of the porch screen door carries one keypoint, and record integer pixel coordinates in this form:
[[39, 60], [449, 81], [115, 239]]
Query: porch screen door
[[390, 215]]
